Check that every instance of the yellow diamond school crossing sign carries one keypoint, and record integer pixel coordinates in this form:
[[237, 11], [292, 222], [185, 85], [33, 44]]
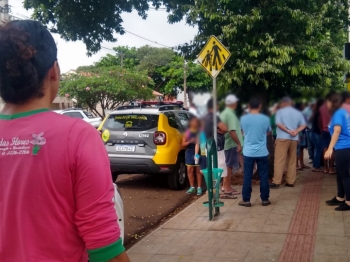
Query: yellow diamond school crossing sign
[[213, 56]]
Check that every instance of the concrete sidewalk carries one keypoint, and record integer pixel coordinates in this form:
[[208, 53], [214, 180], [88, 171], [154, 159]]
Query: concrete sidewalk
[[298, 226]]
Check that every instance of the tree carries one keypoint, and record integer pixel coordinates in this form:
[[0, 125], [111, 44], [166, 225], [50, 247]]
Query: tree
[[163, 65], [106, 87], [91, 21], [277, 46], [197, 79]]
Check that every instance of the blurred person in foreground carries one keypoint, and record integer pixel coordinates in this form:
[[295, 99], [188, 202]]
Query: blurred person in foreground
[[56, 197], [208, 133], [233, 142], [256, 127], [190, 141], [340, 147], [316, 128], [308, 112], [273, 120], [325, 134], [346, 98], [290, 122], [302, 142]]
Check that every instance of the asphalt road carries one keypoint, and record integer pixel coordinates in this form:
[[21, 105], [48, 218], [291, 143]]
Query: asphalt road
[[147, 202]]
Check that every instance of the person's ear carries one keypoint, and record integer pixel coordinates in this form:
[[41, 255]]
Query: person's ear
[[54, 72]]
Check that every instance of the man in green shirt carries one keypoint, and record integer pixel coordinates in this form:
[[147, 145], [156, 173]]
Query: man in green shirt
[[233, 142]]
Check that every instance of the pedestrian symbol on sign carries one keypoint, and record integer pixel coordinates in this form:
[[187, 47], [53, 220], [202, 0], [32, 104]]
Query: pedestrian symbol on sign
[[213, 56]]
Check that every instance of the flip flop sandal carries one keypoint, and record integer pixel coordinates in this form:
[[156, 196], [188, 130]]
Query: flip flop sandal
[[325, 171], [234, 192], [227, 196], [317, 170]]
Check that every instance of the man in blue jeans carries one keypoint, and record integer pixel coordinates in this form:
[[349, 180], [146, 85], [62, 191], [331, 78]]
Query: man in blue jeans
[[255, 127]]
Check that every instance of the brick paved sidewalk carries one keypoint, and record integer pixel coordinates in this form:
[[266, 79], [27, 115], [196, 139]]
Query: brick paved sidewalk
[[298, 227]]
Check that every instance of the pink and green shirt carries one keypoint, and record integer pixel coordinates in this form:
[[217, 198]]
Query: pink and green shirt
[[56, 191]]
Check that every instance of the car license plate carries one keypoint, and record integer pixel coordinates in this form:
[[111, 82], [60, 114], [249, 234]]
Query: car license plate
[[125, 148]]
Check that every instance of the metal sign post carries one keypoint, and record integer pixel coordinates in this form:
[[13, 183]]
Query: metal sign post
[[212, 58], [215, 107]]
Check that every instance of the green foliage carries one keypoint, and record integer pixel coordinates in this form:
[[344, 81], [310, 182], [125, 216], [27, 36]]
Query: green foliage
[[106, 87], [197, 79], [278, 45], [92, 21], [164, 66]]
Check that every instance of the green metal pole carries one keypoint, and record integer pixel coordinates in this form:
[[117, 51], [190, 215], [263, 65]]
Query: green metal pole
[[210, 178]]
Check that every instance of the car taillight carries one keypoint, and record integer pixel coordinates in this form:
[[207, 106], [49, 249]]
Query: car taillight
[[159, 138]]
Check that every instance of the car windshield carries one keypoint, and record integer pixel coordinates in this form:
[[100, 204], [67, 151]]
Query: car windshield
[[129, 122]]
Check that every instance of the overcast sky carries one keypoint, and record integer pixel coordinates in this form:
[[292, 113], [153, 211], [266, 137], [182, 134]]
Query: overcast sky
[[155, 27]]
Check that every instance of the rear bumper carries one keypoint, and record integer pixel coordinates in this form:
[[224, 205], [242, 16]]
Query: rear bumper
[[138, 166]]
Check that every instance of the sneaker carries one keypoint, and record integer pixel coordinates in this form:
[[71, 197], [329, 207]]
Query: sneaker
[[199, 191], [335, 202], [266, 203], [343, 207], [244, 203], [192, 190], [272, 185]]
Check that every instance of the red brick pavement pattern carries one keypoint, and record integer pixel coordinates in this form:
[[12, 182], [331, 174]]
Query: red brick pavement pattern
[[300, 242]]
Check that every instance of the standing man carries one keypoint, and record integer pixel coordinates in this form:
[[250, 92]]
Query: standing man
[[289, 122], [326, 135], [233, 142], [255, 127], [308, 112]]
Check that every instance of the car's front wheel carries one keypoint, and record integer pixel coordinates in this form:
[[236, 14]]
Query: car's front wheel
[[177, 179]]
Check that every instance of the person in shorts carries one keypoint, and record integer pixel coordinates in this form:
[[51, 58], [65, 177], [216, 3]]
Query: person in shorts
[[233, 142], [190, 140]]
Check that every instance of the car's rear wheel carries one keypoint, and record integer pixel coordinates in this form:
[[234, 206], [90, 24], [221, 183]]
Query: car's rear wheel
[[115, 176], [177, 179]]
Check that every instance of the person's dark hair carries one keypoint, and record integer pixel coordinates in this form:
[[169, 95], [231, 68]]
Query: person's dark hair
[[319, 103], [254, 103], [336, 102], [210, 103], [317, 107], [345, 95], [27, 52], [330, 94]]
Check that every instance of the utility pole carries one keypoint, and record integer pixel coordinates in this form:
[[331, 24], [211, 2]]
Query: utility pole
[[185, 87], [121, 59]]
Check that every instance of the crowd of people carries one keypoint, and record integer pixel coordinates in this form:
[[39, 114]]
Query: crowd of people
[[322, 127]]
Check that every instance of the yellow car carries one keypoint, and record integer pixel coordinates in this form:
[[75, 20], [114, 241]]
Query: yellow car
[[146, 141]]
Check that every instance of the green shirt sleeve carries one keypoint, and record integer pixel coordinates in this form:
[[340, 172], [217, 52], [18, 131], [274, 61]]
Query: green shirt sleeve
[[229, 119], [106, 253]]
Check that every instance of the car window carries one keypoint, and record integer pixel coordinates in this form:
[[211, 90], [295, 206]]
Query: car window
[[88, 114], [121, 122], [74, 114], [183, 117], [173, 121]]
